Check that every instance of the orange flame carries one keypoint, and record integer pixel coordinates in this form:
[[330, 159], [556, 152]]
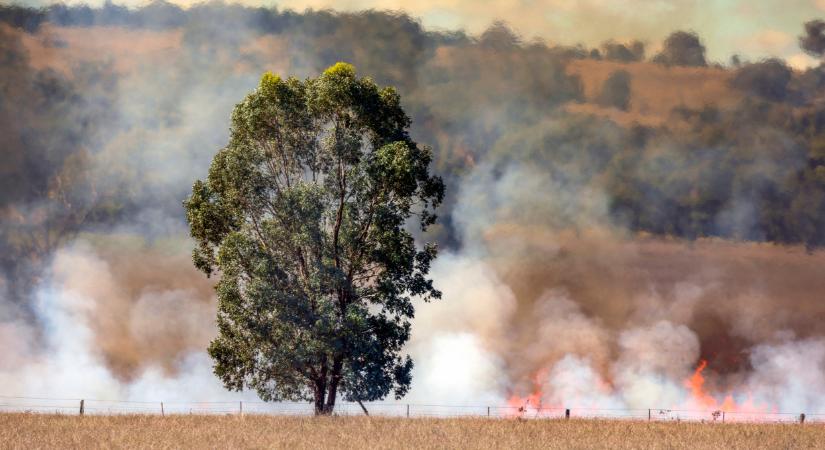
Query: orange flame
[[519, 405], [696, 384], [700, 397]]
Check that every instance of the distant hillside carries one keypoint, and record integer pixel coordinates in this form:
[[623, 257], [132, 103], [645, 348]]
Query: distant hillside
[[656, 89], [675, 146]]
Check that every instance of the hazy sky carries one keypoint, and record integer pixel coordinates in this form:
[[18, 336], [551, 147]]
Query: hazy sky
[[753, 28]]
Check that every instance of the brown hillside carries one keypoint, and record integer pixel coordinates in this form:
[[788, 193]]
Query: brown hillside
[[656, 89]]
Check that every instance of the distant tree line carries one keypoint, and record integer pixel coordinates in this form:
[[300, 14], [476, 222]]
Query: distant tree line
[[754, 171]]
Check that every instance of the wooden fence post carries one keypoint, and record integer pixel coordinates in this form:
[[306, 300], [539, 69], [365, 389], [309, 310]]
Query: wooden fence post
[[488, 411], [240, 407], [82, 407], [648, 415], [567, 413], [723, 416], [408, 410], [802, 418], [162, 414]]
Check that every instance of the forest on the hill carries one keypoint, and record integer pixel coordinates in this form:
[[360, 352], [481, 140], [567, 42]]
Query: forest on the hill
[[90, 144]]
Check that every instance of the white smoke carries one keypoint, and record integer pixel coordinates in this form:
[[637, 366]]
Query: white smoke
[[69, 362], [484, 342], [789, 375], [466, 344]]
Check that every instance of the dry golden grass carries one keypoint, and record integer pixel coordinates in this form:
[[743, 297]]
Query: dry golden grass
[[656, 90], [29, 431]]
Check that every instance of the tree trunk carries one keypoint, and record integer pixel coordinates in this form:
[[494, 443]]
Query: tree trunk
[[319, 402], [325, 406], [319, 394], [326, 391], [337, 365]]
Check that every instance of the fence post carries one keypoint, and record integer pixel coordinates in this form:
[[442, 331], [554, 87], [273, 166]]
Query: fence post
[[162, 414], [82, 407], [240, 407], [408, 410], [648, 414], [488, 411], [567, 413], [802, 418], [723, 416]]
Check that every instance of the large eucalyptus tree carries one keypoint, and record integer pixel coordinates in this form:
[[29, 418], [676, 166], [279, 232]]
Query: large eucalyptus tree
[[304, 216]]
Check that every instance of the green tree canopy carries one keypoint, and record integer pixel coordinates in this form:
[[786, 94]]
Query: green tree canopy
[[304, 216], [616, 90], [682, 48]]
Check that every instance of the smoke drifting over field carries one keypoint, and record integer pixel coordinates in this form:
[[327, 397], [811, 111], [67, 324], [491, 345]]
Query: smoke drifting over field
[[591, 256], [593, 318]]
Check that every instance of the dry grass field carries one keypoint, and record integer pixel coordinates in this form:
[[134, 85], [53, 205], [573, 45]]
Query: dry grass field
[[18, 431]]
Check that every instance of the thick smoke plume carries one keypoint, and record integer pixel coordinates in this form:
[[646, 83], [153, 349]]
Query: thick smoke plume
[[585, 315], [592, 256], [117, 317]]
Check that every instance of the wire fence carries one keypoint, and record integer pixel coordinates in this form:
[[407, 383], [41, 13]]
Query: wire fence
[[79, 406]]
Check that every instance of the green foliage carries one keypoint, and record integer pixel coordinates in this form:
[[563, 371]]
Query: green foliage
[[750, 173], [754, 172], [616, 90], [616, 51], [303, 214], [682, 48], [768, 79]]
